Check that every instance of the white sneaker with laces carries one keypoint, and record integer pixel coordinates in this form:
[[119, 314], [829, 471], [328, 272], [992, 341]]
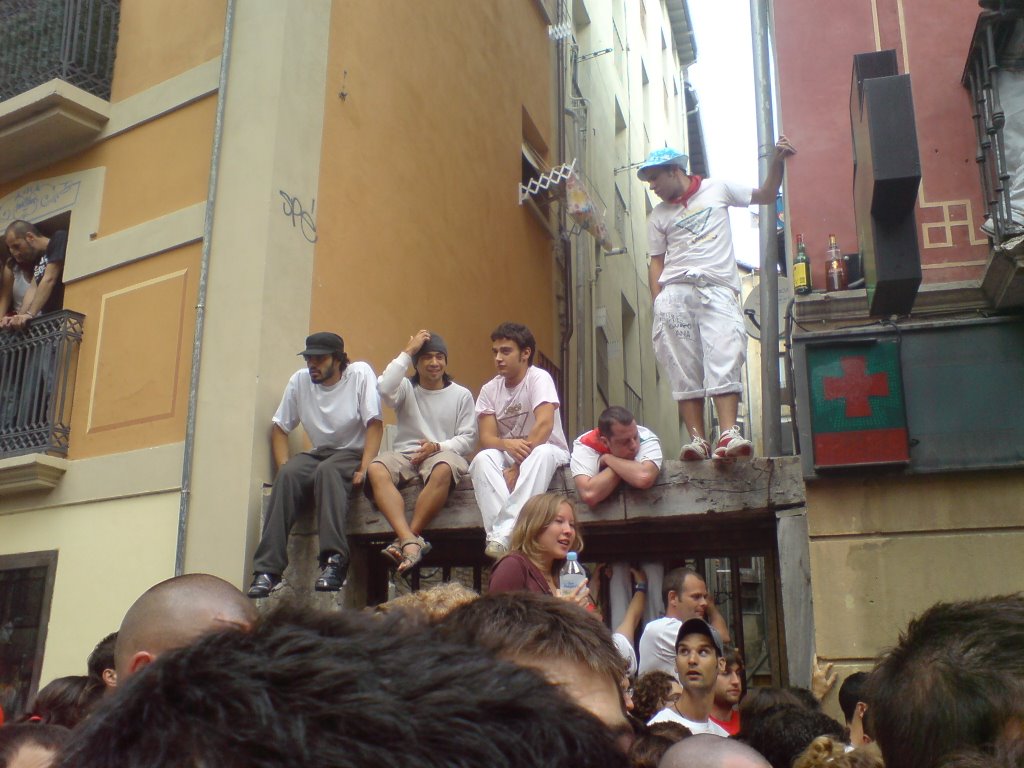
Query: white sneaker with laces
[[732, 445], [697, 449]]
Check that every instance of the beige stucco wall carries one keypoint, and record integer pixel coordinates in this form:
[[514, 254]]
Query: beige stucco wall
[[109, 553], [884, 549], [261, 271]]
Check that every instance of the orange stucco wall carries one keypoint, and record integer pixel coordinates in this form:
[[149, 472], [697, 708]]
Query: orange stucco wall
[[815, 47], [151, 170], [131, 389], [159, 39], [417, 214]]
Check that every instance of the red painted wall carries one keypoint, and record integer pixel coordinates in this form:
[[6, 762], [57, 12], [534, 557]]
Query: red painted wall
[[815, 44]]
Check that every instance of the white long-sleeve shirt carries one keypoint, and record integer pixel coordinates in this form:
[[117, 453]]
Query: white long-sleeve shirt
[[444, 416]]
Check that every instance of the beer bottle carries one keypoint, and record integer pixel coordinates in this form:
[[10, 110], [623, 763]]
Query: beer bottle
[[801, 268], [837, 275]]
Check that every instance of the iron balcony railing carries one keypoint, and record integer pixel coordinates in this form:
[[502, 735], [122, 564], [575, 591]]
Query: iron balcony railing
[[634, 403], [70, 40], [37, 375], [997, 35]]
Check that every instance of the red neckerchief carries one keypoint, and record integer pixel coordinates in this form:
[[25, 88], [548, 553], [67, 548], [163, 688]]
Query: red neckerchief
[[684, 198], [593, 440]]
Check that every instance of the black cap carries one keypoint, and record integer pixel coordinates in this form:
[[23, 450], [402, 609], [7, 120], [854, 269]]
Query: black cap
[[324, 343], [434, 344], [700, 627]]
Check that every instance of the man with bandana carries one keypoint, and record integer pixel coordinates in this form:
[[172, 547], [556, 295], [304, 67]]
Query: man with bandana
[[698, 333]]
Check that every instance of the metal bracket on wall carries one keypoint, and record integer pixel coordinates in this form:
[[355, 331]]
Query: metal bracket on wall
[[546, 180]]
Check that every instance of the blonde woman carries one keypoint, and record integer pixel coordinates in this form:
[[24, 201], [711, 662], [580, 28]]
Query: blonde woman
[[545, 532]]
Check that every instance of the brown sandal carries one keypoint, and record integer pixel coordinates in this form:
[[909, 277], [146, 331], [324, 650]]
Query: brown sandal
[[411, 561], [393, 553]]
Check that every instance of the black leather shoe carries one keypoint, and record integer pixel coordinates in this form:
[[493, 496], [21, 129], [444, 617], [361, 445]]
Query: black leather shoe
[[262, 585], [333, 575]]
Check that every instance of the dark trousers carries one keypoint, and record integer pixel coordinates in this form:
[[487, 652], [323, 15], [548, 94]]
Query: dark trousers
[[323, 477]]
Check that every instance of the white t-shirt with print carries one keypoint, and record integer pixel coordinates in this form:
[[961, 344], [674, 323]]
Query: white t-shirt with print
[[697, 240], [513, 407], [335, 416], [585, 460], [671, 716]]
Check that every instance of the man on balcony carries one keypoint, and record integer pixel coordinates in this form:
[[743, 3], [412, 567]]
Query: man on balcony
[[336, 402], [617, 451], [698, 334], [436, 432], [33, 285]]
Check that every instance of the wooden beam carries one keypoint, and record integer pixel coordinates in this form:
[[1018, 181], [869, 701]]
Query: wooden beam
[[682, 488]]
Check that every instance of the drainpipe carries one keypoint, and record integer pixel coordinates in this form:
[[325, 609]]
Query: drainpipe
[[771, 427], [204, 273]]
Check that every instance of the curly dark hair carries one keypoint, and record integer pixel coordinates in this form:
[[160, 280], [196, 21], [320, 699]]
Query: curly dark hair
[[650, 692]]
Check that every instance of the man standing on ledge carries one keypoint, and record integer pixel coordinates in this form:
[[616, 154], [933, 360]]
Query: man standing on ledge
[[338, 406], [698, 333], [520, 435]]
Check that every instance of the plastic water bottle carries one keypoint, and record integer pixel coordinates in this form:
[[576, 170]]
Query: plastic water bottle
[[571, 575]]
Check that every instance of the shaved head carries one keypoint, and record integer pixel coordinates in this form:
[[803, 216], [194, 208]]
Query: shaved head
[[705, 750], [173, 614]]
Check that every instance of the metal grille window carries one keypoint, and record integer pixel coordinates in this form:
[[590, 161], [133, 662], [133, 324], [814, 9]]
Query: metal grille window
[[37, 373], [602, 362], [71, 40], [26, 585], [634, 403]]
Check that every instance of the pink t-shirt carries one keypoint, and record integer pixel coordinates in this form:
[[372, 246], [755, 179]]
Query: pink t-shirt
[[513, 407]]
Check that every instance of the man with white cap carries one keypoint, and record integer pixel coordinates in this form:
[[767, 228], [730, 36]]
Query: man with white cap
[[436, 432], [336, 402], [698, 333]]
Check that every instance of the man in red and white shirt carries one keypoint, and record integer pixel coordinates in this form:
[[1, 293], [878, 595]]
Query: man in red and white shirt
[[617, 451]]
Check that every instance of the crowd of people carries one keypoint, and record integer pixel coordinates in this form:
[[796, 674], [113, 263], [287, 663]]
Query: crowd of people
[[527, 674], [195, 676]]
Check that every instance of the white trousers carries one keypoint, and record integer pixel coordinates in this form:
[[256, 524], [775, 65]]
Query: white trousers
[[1011, 96], [499, 508]]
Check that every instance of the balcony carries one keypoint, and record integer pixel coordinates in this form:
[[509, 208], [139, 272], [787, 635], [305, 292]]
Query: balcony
[[37, 374], [56, 65], [998, 40]]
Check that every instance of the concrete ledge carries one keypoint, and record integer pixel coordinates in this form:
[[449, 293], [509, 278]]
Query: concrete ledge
[[1003, 283], [32, 472], [852, 305], [46, 124]]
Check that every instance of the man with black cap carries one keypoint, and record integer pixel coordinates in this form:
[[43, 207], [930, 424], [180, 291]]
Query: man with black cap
[[338, 406], [436, 431], [697, 330], [698, 661]]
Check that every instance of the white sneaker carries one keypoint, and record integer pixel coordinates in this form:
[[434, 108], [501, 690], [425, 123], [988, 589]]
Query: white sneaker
[[495, 550], [732, 445], [697, 449]]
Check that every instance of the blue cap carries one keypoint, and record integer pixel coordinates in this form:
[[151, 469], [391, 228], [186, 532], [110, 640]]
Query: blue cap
[[663, 156], [571, 556]]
